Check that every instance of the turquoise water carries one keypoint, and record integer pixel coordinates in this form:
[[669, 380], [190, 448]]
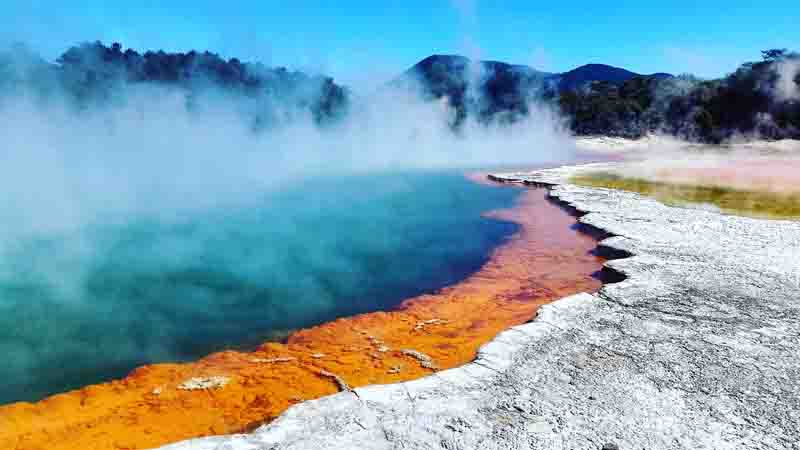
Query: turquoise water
[[92, 305]]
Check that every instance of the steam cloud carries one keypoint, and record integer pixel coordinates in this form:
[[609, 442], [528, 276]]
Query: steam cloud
[[787, 87], [61, 168]]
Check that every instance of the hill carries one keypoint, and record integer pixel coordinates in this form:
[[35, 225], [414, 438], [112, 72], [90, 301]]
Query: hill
[[499, 91], [760, 99], [583, 75], [487, 89], [96, 75]]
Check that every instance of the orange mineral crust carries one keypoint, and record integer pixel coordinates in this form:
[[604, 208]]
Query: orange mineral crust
[[230, 391]]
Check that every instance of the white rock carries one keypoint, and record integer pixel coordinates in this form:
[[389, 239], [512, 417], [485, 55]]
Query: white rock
[[203, 383]]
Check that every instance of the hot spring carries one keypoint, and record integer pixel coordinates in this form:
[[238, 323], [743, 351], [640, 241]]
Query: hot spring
[[90, 304]]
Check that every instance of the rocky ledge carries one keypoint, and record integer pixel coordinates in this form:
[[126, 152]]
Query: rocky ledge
[[698, 348]]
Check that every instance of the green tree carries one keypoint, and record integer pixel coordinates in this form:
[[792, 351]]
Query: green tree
[[774, 54]]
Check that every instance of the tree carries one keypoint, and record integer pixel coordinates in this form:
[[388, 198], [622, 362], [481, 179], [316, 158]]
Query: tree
[[705, 122], [775, 54]]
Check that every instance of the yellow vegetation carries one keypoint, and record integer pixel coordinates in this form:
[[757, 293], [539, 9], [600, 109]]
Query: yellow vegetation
[[760, 204]]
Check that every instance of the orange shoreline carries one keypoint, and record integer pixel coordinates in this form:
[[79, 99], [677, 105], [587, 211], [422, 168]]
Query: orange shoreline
[[547, 259]]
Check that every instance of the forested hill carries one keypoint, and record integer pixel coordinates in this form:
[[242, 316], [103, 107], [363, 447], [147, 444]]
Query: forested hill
[[760, 99], [579, 77], [498, 91], [489, 90], [93, 74]]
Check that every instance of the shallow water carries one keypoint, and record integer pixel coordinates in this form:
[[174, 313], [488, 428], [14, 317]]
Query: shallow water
[[92, 305]]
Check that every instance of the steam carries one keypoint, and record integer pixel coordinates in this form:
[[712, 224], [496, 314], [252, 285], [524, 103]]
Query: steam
[[787, 87], [467, 9], [747, 165], [151, 155]]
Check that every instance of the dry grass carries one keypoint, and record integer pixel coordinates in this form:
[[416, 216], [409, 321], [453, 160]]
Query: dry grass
[[760, 204]]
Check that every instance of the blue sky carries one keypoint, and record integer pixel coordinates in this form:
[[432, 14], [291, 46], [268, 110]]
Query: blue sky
[[369, 41]]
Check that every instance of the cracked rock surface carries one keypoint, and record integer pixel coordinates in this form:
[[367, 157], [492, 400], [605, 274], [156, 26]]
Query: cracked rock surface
[[698, 348]]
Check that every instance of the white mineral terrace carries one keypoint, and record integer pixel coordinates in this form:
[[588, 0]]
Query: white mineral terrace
[[699, 348]]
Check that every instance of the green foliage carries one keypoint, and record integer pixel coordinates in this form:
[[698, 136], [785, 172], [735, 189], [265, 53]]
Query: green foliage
[[748, 101], [608, 108], [774, 54], [704, 121], [92, 74]]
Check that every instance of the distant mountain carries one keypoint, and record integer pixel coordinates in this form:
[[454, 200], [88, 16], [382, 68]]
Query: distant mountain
[[438, 69], [588, 73], [489, 89], [492, 88], [761, 98]]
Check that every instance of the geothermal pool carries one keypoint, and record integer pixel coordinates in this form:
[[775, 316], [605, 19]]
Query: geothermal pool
[[91, 305]]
